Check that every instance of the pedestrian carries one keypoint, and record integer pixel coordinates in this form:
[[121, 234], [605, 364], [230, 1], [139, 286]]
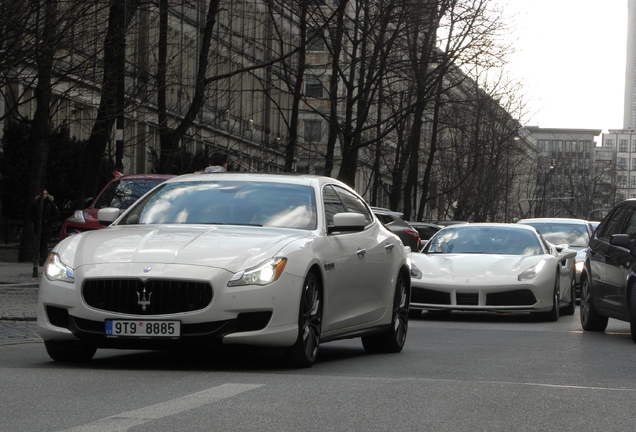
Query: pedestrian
[[50, 214], [218, 163]]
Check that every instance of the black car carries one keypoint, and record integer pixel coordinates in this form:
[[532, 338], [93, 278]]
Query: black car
[[426, 229], [394, 222], [608, 288]]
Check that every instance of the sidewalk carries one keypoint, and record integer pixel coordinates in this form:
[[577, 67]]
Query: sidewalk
[[18, 291]]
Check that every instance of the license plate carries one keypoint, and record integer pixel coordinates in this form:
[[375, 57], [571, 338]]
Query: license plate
[[143, 329]]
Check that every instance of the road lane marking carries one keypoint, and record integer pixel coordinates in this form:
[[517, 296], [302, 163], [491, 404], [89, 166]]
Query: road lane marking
[[129, 419]]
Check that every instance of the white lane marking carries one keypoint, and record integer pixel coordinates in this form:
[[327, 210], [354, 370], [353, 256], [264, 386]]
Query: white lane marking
[[126, 420]]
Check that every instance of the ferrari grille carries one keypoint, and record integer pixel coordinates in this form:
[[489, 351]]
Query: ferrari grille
[[153, 297]]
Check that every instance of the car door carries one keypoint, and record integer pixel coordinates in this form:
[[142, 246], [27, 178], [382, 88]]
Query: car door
[[375, 247], [606, 261], [619, 262], [343, 269]]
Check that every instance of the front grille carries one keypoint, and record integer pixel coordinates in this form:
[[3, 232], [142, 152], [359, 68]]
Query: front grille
[[430, 297], [511, 298], [467, 299], [154, 297]]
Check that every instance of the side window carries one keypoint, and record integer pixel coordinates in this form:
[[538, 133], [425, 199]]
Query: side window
[[630, 227], [107, 196], [332, 204], [614, 223], [354, 204]]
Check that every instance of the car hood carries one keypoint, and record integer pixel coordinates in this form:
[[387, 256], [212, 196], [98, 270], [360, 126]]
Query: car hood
[[472, 265], [228, 247]]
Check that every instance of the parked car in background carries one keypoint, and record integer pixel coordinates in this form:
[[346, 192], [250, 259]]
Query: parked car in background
[[576, 233], [394, 221], [608, 281], [279, 261], [426, 229], [492, 267], [120, 192]]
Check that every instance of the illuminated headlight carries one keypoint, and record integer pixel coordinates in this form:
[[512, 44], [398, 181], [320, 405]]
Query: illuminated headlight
[[579, 266], [78, 217], [56, 270], [263, 274], [532, 272]]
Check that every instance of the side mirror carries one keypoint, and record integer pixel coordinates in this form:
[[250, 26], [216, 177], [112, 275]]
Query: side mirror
[[106, 216], [351, 222], [566, 254]]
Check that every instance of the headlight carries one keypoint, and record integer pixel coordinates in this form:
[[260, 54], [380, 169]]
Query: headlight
[[416, 273], [532, 272], [56, 270], [263, 274], [579, 266]]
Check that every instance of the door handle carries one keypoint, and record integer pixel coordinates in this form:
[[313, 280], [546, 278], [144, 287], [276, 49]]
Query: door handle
[[361, 252], [389, 246]]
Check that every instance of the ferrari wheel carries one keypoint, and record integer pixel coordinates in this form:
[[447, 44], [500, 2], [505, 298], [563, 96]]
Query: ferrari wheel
[[569, 309], [632, 313], [304, 352], [392, 341], [591, 320], [69, 351], [553, 315]]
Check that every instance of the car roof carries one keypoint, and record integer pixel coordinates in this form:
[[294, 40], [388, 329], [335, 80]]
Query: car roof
[[143, 176], [289, 178], [554, 220]]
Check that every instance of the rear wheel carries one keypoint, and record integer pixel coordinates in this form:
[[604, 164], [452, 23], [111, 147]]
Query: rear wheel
[[632, 313], [591, 320], [304, 352], [392, 341], [69, 351], [569, 309]]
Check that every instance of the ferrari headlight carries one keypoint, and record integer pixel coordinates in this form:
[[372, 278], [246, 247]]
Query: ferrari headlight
[[262, 274], [416, 273], [56, 270], [532, 272], [579, 266]]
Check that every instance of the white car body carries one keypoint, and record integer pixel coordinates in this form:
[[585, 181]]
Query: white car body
[[357, 269], [494, 279]]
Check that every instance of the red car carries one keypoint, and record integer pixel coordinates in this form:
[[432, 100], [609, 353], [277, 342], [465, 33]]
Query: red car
[[121, 192]]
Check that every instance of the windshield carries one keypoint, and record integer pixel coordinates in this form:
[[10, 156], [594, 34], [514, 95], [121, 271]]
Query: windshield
[[122, 194], [227, 202], [485, 240], [575, 235]]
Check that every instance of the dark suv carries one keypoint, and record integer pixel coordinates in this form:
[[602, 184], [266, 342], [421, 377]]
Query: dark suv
[[608, 281]]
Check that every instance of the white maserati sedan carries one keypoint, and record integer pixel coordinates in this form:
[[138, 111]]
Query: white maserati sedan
[[493, 267], [229, 258]]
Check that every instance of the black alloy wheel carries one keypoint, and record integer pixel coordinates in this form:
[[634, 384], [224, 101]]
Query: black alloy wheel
[[392, 341], [591, 320], [304, 352]]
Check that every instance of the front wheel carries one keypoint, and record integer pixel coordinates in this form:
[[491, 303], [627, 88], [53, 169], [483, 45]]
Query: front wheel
[[569, 309], [304, 352], [553, 315], [392, 341], [591, 320]]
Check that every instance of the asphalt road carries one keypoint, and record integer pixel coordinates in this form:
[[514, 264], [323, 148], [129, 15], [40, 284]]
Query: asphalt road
[[459, 372]]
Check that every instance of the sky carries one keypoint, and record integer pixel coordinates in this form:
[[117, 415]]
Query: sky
[[571, 61]]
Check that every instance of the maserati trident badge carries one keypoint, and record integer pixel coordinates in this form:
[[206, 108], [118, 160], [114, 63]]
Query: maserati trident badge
[[142, 300]]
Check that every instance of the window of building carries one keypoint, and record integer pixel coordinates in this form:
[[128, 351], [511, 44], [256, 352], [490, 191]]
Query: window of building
[[553, 146], [541, 145], [632, 182], [313, 86], [315, 40], [312, 131], [622, 145], [622, 163], [633, 164], [609, 142]]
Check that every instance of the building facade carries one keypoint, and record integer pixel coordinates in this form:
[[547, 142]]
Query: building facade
[[629, 112]]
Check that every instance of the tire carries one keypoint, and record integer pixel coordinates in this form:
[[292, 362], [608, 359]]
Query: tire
[[591, 320], [304, 352], [553, 315], [570, 308], [69, 351], [632, 313], [392, 341]]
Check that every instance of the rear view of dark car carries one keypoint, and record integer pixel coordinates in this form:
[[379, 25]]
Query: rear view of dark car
[[394, 222], [608, 282]]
